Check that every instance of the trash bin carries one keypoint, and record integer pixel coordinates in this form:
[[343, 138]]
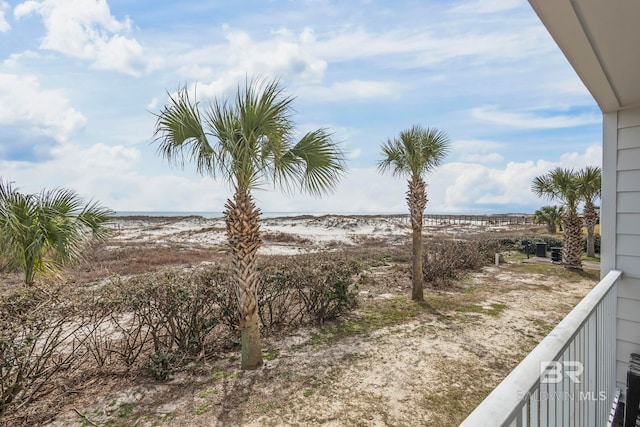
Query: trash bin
[[541, 249], [556, 254]]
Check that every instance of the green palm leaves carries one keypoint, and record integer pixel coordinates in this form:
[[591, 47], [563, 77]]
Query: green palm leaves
[[571, 188], [590, 183], [250, 142], [39, 233], [560, 185], [549, 215], [414, 152]]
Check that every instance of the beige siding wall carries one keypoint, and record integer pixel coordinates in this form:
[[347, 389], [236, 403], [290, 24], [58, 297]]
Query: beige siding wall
[[621, 226]]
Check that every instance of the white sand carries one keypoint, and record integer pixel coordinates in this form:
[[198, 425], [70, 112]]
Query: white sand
[[306, 233]]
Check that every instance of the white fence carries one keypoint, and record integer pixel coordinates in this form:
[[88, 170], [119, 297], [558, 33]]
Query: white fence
[[569, 378]]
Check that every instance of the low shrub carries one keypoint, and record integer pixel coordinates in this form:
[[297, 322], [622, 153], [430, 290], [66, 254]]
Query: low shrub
[[306, 289], [514, 243], [150, 316], [153, 323], [327, 288], [161, 364], [40, 345], [445, 260]]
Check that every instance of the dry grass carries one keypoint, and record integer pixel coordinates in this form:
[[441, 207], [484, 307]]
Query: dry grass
[[131, 259], [280, 237]]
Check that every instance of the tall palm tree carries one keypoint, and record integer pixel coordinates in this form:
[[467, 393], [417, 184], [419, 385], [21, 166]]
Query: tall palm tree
[[414, 153], [549, 215], [590, 181], [248, 143], [562, 185], [40, 233]]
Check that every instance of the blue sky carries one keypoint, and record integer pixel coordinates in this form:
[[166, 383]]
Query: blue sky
[[80, 78]]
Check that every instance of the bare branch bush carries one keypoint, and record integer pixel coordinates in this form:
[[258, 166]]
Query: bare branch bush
[[446, 259], [40, 345], [308, 289]]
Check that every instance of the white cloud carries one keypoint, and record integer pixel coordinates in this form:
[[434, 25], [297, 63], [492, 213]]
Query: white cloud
[[476, 151], [14, 58], [482, 158], [362, 190], [153, 104], [530, 120], [452, 187], [355, 153], [4, 25], [569, 86], [86, 29], [591, 157], [40, 111], [354, 89], [112, 175], [286, 55], [422, 48], [468, 185], [486, 6]]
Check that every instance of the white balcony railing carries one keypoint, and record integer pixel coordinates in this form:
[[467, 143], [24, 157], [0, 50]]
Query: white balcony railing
[[569, 378]]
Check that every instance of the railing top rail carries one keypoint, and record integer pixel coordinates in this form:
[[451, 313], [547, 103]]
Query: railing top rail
[[506, 398]]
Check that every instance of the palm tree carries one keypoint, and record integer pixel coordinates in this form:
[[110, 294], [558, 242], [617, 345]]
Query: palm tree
[[40, 233], [590, 181], [413, 154], [549, 215], [248, 144], [562, 186]]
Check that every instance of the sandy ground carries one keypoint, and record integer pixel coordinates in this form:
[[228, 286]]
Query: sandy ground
[[431, 367], [286, 235]]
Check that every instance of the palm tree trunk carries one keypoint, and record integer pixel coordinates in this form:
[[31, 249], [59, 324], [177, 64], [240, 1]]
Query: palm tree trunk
[[417, 201], [243, 232], [29, 267], [572, 251], [590, 220]]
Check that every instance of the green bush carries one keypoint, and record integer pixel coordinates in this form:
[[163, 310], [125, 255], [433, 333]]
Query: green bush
[[161, 364], [514, 243]]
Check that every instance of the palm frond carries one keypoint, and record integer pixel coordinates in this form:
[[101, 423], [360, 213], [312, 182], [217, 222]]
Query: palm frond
[[394, 159], [415, 152], [41, 232], [561, 185], [590, 182], [253, 140], [315, 161], [180, 133]]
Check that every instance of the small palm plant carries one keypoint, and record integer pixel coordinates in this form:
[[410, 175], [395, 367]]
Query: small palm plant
[[590, 181], [40, 233], [414, 153], [248, 143], [562, 185], [549, 215]]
